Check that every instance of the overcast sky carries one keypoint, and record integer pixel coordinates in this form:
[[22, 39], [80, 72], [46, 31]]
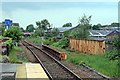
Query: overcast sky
[[59, 13]]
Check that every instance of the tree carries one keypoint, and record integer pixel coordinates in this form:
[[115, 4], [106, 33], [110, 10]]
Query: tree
[[15, 24], [14, 33], [22, 30], [38, 23], [55, 31], [45, 24], [67, 25], [30, 28], [39, 32], [96, 27], [81, 31], [114, 24]]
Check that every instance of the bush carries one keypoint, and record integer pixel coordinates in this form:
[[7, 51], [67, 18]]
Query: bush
[[4, 59], [14, 33], [111, 54], [63, 43], [35, 39], [116, 41], [8, 42]]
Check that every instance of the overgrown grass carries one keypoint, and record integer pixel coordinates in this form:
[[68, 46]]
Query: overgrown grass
[[36, 39], [100, 62], [14, 55]]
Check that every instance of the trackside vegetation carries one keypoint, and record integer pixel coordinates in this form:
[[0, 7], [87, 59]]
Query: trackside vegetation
[[106, 63], [100, 62], [15, 55]]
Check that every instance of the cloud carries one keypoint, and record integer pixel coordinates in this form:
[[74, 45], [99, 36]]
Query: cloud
[[58, 15]]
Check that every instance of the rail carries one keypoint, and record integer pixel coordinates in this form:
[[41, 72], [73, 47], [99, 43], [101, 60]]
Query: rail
[[68, 71]]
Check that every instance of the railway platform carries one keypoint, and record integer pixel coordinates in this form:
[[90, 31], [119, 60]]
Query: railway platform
[[31, 70], [25, 71]]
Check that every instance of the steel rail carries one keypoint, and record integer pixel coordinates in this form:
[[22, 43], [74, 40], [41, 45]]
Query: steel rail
[[48, 74], [71, 72]]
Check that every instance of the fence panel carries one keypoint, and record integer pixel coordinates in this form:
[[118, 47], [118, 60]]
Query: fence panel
[[88, 46]]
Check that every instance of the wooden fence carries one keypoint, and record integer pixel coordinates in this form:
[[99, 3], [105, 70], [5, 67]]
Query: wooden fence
[[88, 46]]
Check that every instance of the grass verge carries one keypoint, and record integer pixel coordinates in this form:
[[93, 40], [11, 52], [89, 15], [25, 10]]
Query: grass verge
[[99, 62], [15, 56]]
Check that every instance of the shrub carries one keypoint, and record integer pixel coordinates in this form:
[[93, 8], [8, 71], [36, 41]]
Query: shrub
[[4, 59], [111, 54], [63, 43], [14, 33]]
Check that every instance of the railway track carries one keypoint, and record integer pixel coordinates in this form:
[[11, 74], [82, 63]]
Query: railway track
[[54, 69]]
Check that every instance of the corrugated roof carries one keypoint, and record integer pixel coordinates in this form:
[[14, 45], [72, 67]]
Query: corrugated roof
[[100, 32]]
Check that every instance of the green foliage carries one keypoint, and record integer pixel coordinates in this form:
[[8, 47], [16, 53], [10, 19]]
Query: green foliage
[[9, 43], [34, 39], [96, 27], [39, 32], [116, 41], [63, 43], [67, 33], [81, 31], [50, 40], [22, 30], [47, 42], [45, 24], [114, 24], [14, 33], [54, 32], [4, 59], [14, 55], [2, 29], [100, 62], [112, 54], [30, 28], [67, 25]]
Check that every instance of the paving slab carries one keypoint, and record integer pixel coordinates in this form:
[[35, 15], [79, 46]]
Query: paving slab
[[21, 71], [35, 71], [8, 67], [31, 71], [8, 71]]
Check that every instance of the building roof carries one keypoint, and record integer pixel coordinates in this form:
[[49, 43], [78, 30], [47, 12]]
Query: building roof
[[118, 31], [26, 33], [63, 29], [109, 28], [101, 32]]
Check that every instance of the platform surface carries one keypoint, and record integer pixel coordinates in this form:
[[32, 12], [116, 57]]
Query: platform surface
[[31, 70]]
